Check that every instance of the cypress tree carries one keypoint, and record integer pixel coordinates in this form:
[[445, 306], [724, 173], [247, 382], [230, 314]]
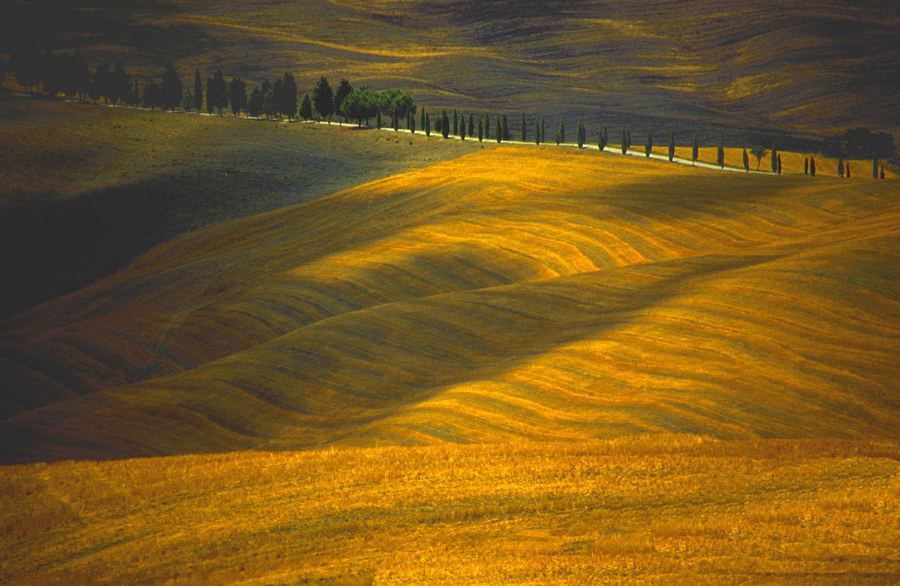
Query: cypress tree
[[774, 161], [805, 166], [720, 156], [523, 130], [344, 89], [171, 88], [323, 99], [560, 133], [237, 96], [628, 136], [306, 107], [779, 163], [746, 161], [537, 131], [427, 124], [412, 122], [216, 92], [255, 103], [671, 145], [840, 167], [455, 123], [875, 168], [848, 168], [462, 129], [278, 97], [198, 91], [580, 134], [624, 142], [649, 146], [695, 150], [487, 126], [498, 130], [505, 128], [480, 129], [422, 118], [471, 129], [602, 138], [289, 95], [445, 124], [812, 166]]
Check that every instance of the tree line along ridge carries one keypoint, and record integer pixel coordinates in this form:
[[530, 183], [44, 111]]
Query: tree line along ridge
[[68, 75]]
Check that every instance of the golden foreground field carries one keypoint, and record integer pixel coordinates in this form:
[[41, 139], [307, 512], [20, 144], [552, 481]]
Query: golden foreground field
[[522, 365], [661, 509]]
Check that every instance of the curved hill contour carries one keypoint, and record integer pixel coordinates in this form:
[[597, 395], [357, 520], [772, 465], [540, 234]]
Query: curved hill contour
[[512, 292]]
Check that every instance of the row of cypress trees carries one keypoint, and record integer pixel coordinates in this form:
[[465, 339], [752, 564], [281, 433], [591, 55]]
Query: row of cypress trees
[[69, 75]]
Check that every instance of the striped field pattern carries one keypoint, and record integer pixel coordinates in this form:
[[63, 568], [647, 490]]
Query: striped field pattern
[[511, 293]]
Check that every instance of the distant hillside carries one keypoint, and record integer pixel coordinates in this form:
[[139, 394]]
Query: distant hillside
[[712, 68], [513, 292]]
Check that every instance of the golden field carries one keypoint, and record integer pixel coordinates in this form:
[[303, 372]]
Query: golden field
[[670, 509], [515, 292], [520, 365]]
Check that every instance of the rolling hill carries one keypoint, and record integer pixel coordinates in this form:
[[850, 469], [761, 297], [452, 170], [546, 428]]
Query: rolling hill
[[710, 68], [515, 292]]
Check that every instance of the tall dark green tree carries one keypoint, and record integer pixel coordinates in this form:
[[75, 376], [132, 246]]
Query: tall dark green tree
[[580, 134], [216, 93], [774, 159], [498, 131], [100, 83], [152, 96], [523, 129], [427, 124], [198, 92], [695, 150], [624, 142], [671, 145], [840, 167], [171, 88], [505, 128], [480, 129], [806, 166], [323, 99], [288, 95], [720, 156], [537, 130], [445, 124], [237, 95], [422, 118], [455, 123], [255, 103], [306, 111], [561, 133], [779, 163], [81, 76], [812, 166], [602, 138], [848, 168], [462, 128], [746, 161], [343, 90], [648, 148], [487, 126], [471, 129]]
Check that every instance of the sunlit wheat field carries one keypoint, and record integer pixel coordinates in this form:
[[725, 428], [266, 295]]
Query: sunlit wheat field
[[515, 292]]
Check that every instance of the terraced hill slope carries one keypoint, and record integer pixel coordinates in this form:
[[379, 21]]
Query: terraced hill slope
[[511, 293], [703, 67]]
